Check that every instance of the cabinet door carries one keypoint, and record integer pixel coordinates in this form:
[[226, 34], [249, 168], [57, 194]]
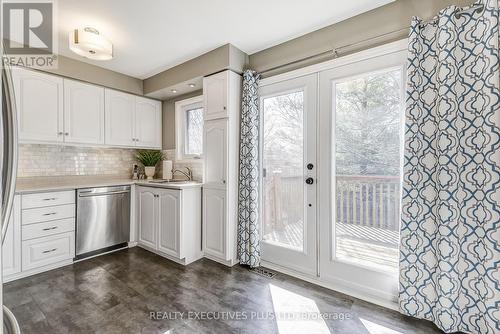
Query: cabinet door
[[120, 118], [215, 95], [148, 216], [39, 102], [148, 123], [215, 152], [214, 222], [169, 228], [83, 113], [11, 248]]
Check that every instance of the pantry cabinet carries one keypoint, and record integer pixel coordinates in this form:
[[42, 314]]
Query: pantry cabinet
[[55, 110], [169, 222], [222, 96], [215, 141], [215, 95]]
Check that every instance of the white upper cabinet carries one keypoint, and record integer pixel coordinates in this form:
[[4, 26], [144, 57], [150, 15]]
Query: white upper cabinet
[[51, 109], [39, 102], [148, 122], [215, 88], [83, 113], [120, 118], [132, 120], [215, 142]]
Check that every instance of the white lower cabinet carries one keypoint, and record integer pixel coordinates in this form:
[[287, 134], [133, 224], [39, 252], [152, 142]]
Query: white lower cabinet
[[40, 235], [45, 251], [169, 222], [147, 216], [169, 227]]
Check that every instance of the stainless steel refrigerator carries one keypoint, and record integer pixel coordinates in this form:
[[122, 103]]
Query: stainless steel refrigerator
[[8, 152]]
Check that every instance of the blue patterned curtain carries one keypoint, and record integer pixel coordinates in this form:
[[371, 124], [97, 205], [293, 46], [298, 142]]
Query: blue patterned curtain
[[450, 233], [248, 199]]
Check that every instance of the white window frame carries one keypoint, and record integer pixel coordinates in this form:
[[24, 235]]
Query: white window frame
[[180, 127]]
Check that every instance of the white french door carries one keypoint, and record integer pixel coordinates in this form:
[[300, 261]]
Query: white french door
[[288, 144], [361, 126]]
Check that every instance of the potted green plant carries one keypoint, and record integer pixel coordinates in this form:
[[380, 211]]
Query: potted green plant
[[149, 159]]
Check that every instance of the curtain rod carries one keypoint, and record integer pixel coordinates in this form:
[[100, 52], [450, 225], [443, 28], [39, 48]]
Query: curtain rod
[[335, 51]]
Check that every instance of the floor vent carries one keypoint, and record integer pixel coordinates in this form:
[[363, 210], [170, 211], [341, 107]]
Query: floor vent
[[263, 272]]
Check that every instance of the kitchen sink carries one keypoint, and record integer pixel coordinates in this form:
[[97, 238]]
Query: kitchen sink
[[172, 181]]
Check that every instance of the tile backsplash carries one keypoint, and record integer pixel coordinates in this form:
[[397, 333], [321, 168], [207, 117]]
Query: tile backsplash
[[56, 160]]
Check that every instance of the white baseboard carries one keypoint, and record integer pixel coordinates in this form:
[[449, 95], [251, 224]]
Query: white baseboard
[[354, 291], [35, 271], [228, 263]]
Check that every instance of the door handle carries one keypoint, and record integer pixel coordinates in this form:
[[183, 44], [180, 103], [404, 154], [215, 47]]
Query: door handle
[[309, 180]]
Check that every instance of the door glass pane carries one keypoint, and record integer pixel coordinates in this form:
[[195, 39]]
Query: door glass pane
[[283, 185], [368, 169], [194, 131]]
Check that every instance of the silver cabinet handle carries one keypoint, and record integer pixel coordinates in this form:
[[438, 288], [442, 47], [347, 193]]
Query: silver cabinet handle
[[49, 199], [223, 181], [50, 214], [224, 108], [49, 250], [49, 228], [59, 133], [66, 133]]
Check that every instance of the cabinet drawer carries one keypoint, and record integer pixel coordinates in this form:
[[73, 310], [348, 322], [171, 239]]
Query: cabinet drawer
[[44, 229], [47, 199], [31, 216], [47, 250]]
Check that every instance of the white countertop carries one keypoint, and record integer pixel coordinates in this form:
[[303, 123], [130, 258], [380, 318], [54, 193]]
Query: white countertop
[[58, 183]]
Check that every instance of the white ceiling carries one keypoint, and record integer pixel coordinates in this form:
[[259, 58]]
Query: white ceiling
[[150, 36]]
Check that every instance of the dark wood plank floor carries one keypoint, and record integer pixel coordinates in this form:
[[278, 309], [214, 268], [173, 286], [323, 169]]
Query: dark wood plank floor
[[116, 293]]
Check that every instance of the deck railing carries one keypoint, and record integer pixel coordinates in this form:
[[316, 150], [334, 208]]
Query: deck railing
[[372, 201]]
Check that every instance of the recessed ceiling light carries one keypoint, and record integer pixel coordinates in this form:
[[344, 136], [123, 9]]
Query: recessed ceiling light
[[89, 43], [174, 91], [192, 85]]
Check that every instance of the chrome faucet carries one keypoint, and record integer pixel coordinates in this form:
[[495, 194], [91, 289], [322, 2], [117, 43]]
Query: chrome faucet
[[189, 173]]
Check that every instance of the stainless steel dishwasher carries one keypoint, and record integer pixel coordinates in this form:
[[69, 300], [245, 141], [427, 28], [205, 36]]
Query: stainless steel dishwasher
[[102, 220]]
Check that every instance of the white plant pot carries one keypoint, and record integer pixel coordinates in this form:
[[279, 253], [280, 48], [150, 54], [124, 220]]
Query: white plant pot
[[150, 172]]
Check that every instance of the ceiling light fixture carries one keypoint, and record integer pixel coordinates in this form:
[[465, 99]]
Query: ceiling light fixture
[[192, 85], [174, 91], [89, 43]]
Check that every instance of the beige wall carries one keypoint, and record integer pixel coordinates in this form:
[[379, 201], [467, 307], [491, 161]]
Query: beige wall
[[222, 58], [382, 20], [168, 127], [76, 69]]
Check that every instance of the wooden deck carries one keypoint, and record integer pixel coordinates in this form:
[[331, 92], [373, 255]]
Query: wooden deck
[[362, 245]]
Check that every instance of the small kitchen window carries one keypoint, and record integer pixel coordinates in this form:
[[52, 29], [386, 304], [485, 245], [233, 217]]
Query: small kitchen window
[[189, 128]]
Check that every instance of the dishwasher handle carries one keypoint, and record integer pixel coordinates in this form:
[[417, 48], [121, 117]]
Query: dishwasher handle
[[92, 194]]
